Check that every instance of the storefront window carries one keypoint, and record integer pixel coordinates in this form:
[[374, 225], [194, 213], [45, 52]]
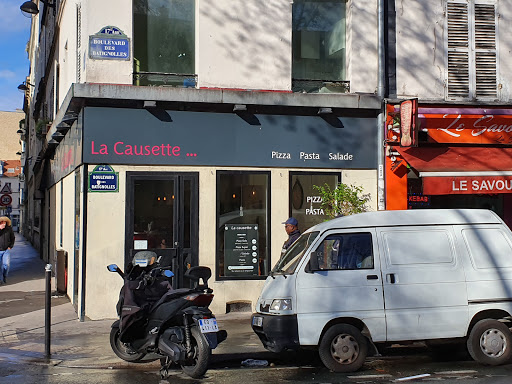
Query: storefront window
[[153, 214], [318, 40], [164, 41], [305, 201], [242, 224]]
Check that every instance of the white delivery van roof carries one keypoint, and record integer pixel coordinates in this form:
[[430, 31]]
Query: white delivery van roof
[[411, 217]]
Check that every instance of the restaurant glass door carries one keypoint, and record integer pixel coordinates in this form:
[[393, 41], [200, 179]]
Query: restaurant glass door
[[162, 216]]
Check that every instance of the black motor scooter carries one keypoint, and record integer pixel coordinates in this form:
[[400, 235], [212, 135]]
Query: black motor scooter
[[174, 324]]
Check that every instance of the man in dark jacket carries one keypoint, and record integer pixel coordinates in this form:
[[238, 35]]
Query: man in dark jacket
[[6, 244], [291, 226]]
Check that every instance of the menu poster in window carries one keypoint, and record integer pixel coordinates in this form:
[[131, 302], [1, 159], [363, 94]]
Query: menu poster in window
[[241, 249]]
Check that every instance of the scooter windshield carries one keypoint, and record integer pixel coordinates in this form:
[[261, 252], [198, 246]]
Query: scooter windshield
[[289, 261]]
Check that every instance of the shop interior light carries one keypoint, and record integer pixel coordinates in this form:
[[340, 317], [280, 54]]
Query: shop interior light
[[239, 108], [329, 117], [20, 131], [160, 113], [58, 136], [241, 111], [69, 119], [53, 143], [62, 127]]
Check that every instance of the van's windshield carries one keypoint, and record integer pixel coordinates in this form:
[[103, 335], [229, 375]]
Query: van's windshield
[[288, 262]]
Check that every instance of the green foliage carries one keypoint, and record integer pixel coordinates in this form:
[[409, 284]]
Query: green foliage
[[343, 200], [41, 125]]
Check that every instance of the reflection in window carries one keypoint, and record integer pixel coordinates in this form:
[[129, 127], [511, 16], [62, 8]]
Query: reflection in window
[[291, 258], [305, 201], [153, 214], [164, 40], [242, 224], [346, 251], [318, 40]]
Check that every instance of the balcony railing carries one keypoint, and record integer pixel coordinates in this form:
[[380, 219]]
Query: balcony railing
[[320, 86], [179, 80]]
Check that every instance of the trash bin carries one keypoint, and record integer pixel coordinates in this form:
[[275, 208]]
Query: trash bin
[[61, 273]]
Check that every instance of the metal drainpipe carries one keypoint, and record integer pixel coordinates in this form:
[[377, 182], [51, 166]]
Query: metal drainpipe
[[381, 92]]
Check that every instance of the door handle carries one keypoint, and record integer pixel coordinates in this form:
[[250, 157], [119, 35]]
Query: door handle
[[391, 278], [372, 277]]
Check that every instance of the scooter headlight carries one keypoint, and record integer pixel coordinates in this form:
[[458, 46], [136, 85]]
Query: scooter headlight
[[279, 305]]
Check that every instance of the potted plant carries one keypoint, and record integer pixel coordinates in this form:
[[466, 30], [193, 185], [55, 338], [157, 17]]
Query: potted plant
[[343, 200], [42, 127]]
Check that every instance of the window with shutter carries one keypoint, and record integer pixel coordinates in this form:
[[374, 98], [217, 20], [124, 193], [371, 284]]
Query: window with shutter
[[471, 49]]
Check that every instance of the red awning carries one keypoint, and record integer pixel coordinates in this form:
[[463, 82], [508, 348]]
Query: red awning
[[462, 170], [458, 159]]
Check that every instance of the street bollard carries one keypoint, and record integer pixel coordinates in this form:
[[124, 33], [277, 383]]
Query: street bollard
[[47, 310]]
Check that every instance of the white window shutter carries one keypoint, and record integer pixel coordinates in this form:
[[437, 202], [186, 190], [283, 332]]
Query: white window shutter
[[458, 49], [471, 50], [485, 51]]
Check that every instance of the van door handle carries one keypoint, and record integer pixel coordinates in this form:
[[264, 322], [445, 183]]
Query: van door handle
[[372, 277], [390, 277]]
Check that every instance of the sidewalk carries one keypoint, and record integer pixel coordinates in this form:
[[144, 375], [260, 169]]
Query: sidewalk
[[83, 344]]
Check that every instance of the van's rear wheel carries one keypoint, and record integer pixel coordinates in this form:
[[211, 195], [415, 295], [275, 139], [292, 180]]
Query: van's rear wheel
[[490, 342], [343, 348]]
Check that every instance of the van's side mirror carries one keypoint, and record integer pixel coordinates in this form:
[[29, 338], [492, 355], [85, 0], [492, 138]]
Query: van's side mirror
[[313, 263]]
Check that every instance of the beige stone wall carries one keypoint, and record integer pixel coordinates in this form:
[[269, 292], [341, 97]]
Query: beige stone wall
[[68, 223], [239, 44], [9, 139], [366, 179], [244, 44]]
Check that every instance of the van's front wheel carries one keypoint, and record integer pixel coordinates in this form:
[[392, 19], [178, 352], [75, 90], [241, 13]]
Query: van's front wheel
[[343, 348], [490, 342]]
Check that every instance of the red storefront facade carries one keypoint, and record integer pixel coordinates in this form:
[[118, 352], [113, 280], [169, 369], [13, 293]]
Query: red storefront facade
[[462, 158]]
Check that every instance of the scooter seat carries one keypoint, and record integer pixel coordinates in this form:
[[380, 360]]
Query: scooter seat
[[171, 295]]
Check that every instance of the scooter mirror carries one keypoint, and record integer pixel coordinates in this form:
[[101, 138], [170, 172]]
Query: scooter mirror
[[168, 273], [112, 267]]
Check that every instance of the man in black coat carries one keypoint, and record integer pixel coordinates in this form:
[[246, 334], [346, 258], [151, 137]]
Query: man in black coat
[[291, 226], [6, 244]]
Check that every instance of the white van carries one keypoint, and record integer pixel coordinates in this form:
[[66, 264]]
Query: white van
[[390, 277]]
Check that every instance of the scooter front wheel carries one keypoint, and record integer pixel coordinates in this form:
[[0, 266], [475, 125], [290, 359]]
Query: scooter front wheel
[[197, 365], [123, 350]]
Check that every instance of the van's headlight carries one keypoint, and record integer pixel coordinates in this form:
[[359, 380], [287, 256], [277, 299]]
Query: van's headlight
[[281, 305]]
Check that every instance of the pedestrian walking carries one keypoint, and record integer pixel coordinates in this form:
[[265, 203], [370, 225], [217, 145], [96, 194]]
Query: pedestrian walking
[[291, 226], [6, 244]]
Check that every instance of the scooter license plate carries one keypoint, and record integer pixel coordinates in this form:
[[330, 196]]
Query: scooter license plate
[[208, 325]]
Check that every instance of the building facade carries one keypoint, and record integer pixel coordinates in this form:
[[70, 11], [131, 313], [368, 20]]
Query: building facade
[[194, 129], [451, 58], [12, 148]]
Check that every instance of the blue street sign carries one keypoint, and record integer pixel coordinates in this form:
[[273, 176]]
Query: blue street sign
[[106, 180]]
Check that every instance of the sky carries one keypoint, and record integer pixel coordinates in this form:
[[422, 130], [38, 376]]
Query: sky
[[14, 63]]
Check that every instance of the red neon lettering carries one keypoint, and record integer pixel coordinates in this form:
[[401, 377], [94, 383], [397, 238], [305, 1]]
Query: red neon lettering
[[115, 148]]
